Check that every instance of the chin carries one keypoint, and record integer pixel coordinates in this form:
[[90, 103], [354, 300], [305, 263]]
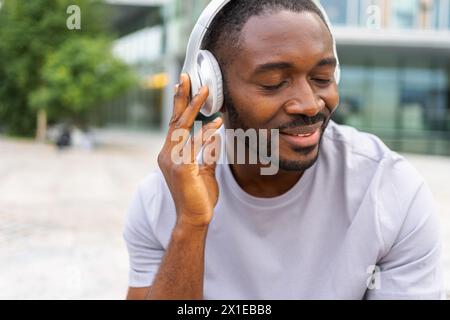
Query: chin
[[299, 160]]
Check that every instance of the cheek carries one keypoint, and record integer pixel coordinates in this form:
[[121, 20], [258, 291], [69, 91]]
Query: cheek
[[331, 99], [255, 109]]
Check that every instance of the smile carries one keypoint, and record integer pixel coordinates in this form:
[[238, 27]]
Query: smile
[[302, 137]]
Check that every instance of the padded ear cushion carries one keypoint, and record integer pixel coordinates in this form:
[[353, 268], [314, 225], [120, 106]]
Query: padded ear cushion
[[209, 74]]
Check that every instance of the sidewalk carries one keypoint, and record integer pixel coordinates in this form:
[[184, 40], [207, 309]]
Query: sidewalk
[[61, 214]]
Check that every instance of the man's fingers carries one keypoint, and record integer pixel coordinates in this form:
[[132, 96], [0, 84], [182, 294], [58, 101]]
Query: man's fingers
[[201, 137], [180, 104], [184, 115], [211, 153], [190, 114], [181, 98]]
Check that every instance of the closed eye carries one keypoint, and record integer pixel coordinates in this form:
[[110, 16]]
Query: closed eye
[[322, 82], [273, 88]]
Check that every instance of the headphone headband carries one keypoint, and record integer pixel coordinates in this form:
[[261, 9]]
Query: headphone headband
[[199, 31]]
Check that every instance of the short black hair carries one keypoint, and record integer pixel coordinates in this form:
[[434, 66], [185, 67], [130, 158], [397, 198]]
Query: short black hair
[[224, 32]]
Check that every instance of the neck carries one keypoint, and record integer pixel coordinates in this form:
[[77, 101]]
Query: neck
[[251, 181]]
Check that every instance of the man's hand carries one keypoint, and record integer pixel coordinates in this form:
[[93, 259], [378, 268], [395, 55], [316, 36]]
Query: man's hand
[[193, 186], [195, 193]]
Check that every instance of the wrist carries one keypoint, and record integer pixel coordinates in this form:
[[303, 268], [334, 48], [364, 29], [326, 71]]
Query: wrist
[[185, 228], [199, 221]]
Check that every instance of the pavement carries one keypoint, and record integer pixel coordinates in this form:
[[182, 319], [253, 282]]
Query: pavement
[[62, 214]]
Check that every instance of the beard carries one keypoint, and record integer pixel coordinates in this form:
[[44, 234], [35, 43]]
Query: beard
[[293, 165], [311, 154]]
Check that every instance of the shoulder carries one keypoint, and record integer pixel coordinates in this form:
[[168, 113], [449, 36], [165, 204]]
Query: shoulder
[[151, 199], [356, 143], [141, 233], [355, 151], [150, 189], [386, 183]]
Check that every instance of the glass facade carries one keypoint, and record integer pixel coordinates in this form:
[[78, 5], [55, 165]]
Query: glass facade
[[141, 45], [441, 14], [405, 101], [336, 10], [436, 23], [405, 13], [394, 14]]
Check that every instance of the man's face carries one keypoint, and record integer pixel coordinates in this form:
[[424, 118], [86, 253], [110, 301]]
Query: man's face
[[283, 78]]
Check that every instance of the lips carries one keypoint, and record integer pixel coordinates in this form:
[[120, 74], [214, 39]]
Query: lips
[[302, 136], [303, 130]]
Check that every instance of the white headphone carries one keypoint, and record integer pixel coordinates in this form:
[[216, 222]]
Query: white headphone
[[202, 66]]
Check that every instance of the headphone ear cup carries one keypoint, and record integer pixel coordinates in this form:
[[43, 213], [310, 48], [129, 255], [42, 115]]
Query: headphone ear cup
[[209, 75]]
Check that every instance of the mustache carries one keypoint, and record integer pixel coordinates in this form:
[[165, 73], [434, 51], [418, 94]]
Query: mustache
[[302, 120]]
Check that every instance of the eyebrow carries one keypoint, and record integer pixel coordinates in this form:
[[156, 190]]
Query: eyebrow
[[327, 62], [272, 66]]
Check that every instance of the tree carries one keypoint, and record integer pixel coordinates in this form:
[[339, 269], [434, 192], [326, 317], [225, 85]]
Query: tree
[[79, 76], [34, 39]]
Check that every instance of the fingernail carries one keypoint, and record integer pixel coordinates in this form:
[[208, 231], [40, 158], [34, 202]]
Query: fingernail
[[181, 78], [177, 87]]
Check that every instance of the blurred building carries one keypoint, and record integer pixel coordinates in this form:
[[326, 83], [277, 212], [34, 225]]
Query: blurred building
[[141, 42], [394, 55], [396, 70]]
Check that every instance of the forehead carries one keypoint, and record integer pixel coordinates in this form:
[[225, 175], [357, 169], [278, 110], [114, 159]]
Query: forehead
[[296, 37]]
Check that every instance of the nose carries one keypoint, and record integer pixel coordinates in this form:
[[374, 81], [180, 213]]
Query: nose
[[304, 101]]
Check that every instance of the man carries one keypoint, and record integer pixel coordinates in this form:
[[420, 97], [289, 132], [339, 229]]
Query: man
[[343, 218]]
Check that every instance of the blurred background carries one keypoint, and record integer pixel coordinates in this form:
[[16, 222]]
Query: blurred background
[[86, 92]]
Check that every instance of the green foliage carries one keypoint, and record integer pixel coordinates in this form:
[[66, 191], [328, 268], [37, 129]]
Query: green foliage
[[43, 64], [79, 76]]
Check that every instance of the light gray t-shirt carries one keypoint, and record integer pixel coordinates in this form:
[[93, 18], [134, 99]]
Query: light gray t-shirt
[[360, 224]]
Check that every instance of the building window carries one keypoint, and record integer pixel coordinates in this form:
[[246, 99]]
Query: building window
[[336, 10], [354, 93], [441, 14], [370, 13], [405, 101], [405, 13], [447, 3], [436, 16]]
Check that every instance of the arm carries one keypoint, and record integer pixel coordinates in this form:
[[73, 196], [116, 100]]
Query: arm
[[194, 191], [137, 293], [181, 273]]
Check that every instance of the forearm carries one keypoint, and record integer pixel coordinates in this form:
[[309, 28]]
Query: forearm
[[180, 276]]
